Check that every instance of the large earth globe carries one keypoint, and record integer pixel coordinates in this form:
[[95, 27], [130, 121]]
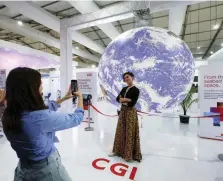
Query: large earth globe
[[161, 62]]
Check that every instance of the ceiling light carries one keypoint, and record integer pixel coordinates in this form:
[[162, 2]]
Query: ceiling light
[[77, 47], [20, 23], [222, 44], [211, 52], [198, 47], [215, 26], [93, 66]]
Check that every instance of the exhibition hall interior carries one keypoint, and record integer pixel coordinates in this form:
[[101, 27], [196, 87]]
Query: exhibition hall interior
[[111, 90]]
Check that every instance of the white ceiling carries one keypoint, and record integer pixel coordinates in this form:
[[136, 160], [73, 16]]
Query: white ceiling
[[199, 23]]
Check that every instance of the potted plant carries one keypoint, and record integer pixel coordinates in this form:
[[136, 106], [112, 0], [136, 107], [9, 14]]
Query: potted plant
[[187, 103]]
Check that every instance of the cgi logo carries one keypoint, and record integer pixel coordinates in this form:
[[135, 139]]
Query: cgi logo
[[118, 169], [89, 74]]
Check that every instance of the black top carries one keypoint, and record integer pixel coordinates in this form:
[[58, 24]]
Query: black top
[[133, 94]]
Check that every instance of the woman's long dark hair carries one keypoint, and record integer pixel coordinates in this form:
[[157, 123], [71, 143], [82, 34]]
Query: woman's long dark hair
[[22, 94]]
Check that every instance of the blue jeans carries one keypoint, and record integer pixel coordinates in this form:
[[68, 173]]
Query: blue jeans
[[50, 169]]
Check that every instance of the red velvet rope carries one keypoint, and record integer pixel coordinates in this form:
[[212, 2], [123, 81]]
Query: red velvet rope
[[97, 110]]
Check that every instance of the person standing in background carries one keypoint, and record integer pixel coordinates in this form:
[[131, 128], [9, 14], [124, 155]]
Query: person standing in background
[[30, 126], [127, 140]]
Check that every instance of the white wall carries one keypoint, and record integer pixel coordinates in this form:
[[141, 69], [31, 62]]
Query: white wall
[[45, 84], [199, 63]]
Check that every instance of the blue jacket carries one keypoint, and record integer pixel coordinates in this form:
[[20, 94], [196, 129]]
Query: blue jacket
[[36, 141]]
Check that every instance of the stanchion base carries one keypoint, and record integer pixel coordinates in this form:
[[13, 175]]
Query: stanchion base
[[89, 129], [220, 156]]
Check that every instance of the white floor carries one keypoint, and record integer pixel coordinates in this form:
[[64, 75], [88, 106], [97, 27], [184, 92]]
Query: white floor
[[171, 152]]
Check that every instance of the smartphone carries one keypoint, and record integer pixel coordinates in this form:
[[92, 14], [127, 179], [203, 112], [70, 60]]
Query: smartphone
[[74, 86]]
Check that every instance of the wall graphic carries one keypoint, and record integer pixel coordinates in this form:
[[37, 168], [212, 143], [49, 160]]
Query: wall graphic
[[211, 101], [10, 59]]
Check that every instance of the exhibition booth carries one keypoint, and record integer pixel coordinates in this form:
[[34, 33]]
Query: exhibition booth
[[211, 98], [152, 102], [210, 92], [87, 81], [13, 55]]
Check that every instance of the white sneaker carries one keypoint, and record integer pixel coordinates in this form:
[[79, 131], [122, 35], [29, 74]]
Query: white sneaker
[[112, 155]]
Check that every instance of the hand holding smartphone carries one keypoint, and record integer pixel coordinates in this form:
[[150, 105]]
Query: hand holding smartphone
[[75, 91], [74, 86]]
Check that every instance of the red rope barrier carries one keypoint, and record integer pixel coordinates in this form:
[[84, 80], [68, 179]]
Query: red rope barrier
[[101, 112], [97, 110]]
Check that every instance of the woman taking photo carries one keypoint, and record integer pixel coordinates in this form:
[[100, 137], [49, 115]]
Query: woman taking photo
[[127, 141], [30, 126]]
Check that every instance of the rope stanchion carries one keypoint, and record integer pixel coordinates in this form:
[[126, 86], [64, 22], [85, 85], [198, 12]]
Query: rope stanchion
[[102, 113], [195, 117], [89, 128]]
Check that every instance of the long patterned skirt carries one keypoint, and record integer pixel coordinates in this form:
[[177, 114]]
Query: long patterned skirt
[[127, 140]]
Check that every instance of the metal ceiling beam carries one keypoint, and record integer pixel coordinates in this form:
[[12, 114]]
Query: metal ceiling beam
[[44, 6], [57, 53], [82, 65], [34, 34], [31, 10], [101, 40], [41, 29], [207, 7], [195, 33], [122, 24], [64, 10], [119, 24], [25, 43], [185, 22], [88, 50], [204, 21], [176, 19], [85, 7], [213, 40], [122, 10], [81, 59]]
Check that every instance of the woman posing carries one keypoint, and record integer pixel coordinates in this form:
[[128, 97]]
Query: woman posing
[[127, 141], [30, 126]]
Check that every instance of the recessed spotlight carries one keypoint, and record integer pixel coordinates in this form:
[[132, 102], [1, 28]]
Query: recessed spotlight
[[93, 66], [211, 52], [215, 26], [198, 47], [20, 23], [77, 47]]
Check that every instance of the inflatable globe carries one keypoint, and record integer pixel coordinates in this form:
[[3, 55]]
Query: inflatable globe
[[161, 62]]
